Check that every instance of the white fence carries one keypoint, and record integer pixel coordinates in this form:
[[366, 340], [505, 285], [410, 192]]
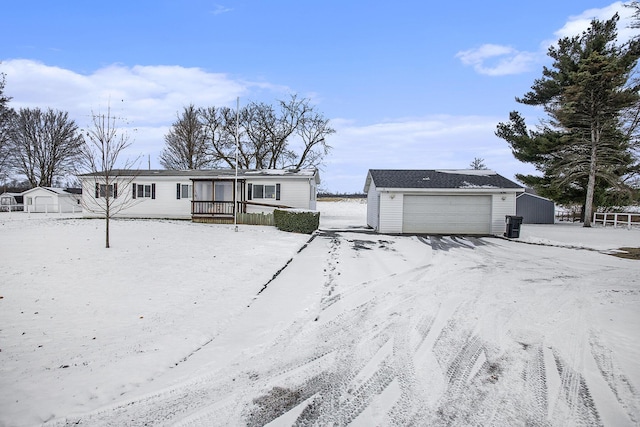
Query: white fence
[[628, 219], [11, 207]]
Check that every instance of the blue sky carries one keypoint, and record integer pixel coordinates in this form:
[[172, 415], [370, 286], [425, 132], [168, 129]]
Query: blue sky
[[406, 84]]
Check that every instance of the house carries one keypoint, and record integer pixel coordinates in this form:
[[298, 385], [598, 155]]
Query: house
[[439, 201], [11, 202], [201, 195], [52, 199], [535, 209]]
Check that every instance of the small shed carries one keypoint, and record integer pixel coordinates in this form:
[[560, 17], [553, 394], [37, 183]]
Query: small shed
[[535, 209], [439, 201], [52, 199], [11, 202]]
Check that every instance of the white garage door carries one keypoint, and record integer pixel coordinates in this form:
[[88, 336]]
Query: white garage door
[[43, 204], [447, 214]]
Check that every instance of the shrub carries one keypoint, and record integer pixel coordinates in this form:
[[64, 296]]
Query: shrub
[[296, 220]]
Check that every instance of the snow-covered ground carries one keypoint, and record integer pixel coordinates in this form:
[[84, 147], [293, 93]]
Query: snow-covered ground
[[191, 324]]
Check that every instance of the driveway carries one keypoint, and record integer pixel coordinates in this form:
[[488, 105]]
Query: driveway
[[363, 329]]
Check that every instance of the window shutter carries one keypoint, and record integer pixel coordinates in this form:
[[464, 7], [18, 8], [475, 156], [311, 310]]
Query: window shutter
[[177, 190], [115, 190], [277, 191], [153, 191], [134, 190], [249, 191], [97, 190]]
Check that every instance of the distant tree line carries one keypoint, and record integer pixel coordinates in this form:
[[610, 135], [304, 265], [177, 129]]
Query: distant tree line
[[588, 147]]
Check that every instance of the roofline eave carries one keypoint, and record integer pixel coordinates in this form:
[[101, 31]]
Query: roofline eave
[[449, 190]]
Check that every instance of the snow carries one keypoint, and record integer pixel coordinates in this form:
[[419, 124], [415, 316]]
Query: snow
[[478, 172], [197, 324], [466, 184]]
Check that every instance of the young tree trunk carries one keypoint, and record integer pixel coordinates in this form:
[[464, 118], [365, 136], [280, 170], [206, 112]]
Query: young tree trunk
[[107, 217], [106, 229], [591, 184]]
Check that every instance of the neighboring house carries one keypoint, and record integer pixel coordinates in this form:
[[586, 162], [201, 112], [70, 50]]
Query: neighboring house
[[439, 201], [11, 202], [52, 199], [207, 195], [535, 209]]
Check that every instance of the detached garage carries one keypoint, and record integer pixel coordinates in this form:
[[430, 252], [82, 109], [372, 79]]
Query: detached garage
[[52, 199], [439, 201]]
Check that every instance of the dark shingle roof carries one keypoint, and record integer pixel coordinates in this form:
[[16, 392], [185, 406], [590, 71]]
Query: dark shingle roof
[[441, 179], [208, 173]]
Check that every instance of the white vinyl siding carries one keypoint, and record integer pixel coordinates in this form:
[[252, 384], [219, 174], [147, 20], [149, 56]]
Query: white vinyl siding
[[293, 192], [447, 214], [390, 219], [373, 207], [502, 208]]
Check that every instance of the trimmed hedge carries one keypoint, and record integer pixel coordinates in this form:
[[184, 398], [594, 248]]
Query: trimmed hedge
[[296, 220]]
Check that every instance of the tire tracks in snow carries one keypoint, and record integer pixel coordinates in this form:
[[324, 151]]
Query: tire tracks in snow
[[398, 346]]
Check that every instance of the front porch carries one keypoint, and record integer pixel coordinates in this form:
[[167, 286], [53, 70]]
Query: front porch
[[217, 200]]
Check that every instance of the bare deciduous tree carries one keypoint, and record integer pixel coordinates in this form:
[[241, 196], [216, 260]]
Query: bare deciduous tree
[[44, 144], [6, 115], [185, 144], [289, 136], [107, 188]]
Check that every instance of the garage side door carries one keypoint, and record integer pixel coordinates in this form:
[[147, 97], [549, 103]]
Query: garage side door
[[447, 214]]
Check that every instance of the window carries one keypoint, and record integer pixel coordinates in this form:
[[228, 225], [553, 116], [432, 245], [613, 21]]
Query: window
[[269, 191], [223, 191], [203, 190], [141, 191], [184, 191], [260, 191], [102, 190]]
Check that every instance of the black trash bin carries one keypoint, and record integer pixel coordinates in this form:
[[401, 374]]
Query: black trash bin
[[513, 226]]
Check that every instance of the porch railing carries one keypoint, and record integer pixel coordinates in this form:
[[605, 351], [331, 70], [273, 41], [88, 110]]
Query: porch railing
[[211, 208]]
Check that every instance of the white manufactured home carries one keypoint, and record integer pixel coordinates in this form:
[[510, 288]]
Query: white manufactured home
[[473, 202], [215, 195]]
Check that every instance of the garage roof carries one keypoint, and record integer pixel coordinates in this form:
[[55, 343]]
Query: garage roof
[[440, 179]]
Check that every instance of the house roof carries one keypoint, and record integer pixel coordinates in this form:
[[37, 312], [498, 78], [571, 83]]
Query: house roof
[[535, 196], [212, 173], [54, 190], [438, 179]]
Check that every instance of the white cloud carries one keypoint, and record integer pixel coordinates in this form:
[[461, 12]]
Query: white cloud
[[500, 60], [146, 95], [220, 9], [579, 23]]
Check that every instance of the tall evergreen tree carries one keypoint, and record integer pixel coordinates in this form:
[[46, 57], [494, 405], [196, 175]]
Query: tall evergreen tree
[[583, 146]]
